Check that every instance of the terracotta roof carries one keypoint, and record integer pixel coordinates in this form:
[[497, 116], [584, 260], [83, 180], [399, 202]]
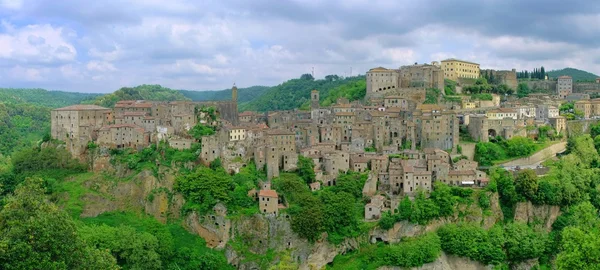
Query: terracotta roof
[[268, 193], [564, 77], [246, 113], [81, 107]]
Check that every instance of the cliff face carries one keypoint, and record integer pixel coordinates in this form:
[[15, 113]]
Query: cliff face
[[544, 215], [258, 241], [265, 236], [447, 262], [144, 192], [465, 213]]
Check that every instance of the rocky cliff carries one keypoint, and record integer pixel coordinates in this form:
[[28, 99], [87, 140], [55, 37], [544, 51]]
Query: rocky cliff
[[447, 262], [544, 215], [465, 213]]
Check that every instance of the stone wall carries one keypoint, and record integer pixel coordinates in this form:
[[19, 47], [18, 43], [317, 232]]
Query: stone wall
[[542, 86], [579, 127], [540, 156], [586, 87]]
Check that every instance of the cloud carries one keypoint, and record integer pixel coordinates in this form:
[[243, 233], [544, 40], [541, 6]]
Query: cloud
[[35, 45], [96, 46]]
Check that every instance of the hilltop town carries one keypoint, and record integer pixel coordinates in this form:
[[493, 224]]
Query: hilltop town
[[403, 140]]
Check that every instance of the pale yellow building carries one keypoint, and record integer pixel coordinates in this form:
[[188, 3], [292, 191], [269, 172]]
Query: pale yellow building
[[455, 69]]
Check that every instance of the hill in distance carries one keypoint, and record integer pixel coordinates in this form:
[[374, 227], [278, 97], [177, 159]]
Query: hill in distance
[[244, 94], [140, 92], [577, 74], [44, 98], [295, 93]]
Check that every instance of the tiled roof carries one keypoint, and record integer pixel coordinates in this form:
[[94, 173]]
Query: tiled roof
[[268, 193], [81, 107]]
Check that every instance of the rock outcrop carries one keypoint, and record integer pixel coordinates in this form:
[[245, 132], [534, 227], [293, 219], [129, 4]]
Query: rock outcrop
[[465, 213], [144, 192], [545, 215], [447, 262]]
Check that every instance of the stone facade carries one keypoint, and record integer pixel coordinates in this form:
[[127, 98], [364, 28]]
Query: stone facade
[[564, 86], [407, 81], [455, 69], [78, 125]]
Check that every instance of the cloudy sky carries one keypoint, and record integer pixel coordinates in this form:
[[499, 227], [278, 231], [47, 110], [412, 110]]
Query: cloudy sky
[[99, 46]]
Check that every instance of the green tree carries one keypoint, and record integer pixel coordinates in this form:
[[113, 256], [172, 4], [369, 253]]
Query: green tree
[[36, 234], [522, 90], [443, 198], [340, 215], [423, 210], [405, 209], [204, 187], [526, 183], [351, 182], [579, 249], [307, 217], [132, 249], [523, 243], [306, 169]]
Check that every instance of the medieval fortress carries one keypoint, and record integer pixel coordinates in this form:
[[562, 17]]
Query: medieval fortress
[[404, 144]]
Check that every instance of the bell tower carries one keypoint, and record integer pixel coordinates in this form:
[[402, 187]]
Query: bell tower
[[234, 94], [314, 100]]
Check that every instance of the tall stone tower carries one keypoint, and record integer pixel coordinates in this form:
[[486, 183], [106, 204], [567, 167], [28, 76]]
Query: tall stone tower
[[234, 93], [314, 100]]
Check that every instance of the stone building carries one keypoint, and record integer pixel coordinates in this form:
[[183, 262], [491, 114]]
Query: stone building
[[268, 202], [409, 81], [436, 127], [123, 136], [455, 69], [374, 208], [78, 125], [424, 75], [559, 124], [564, 86]]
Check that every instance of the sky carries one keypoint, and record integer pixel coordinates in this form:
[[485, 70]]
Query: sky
[[100, 46]]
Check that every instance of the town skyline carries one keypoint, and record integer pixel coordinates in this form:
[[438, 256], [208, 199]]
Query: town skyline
[[210, 46]]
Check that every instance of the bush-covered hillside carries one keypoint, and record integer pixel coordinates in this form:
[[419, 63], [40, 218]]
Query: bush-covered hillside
[[140, 92], [577, 74], [21, 125], [295, 92], [244, 94], [41, 97]]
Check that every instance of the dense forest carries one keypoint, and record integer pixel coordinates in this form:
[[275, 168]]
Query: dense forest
[[41, 97], [140, 92], [296, 92], [244, 94], [577, 74], [22, 125]]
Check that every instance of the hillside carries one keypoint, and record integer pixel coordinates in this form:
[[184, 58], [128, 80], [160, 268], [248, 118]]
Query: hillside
[[140, 92], [296, 92], [22, 125], [244, 94], [41, 97], [578, 75]]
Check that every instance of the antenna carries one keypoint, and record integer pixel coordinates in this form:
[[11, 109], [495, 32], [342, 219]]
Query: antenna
[[313, 72]]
